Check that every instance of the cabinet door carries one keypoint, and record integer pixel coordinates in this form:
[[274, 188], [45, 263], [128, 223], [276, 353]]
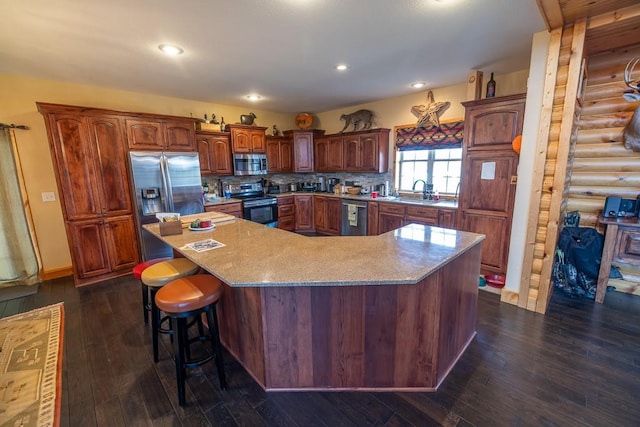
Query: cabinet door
[[234, 209], [145, 134], [121, 241], [257, 141], [320, 154], [447, 218], [77, 177], [286, 155], [486, 202], [320, 214], [205, 151], [273, 155], [88, 248], [180, 135], [304, 212], [388, 222], [333, 211], [368, 158], [421, 215], [351, 145], [110, 158], [221, 154], [372, 219], [335, 155], [494, 126], [240, 140], [303, 151]]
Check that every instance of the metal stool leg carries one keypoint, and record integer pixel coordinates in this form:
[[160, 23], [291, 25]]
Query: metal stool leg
[[180, 329], [155, 323], [145, 303], [212, 319]]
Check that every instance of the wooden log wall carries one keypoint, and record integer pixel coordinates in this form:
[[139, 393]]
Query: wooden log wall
[[601, 165]]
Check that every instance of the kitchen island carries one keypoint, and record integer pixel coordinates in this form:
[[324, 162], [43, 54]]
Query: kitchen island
[[387, 312]]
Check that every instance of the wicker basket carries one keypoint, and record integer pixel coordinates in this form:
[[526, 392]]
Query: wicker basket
[[354, 190]]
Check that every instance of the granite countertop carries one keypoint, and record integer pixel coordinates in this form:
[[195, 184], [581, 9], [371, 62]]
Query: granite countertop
[[257, 255], [442, 203]]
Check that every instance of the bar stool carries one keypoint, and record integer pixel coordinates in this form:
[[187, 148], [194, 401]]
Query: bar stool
[[137, 273], [154, 278], [187, 297]]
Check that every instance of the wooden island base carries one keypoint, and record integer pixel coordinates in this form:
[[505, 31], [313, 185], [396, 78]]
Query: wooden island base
[[372, 337]]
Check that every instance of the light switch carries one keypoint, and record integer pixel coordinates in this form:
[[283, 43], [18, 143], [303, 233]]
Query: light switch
[[48, 196]]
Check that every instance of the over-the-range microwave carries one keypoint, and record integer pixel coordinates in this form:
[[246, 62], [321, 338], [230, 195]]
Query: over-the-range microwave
[[249, 164]]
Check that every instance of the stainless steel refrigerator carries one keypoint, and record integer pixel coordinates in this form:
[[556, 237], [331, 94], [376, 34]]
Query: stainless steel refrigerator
[[164, 182]]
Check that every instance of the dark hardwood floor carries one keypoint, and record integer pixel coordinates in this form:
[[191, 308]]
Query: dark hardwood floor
[[577, 365]]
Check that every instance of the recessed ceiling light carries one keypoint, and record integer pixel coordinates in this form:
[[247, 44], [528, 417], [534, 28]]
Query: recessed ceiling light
[[170, 49], [253, 97], [341, 67], [418, 85]]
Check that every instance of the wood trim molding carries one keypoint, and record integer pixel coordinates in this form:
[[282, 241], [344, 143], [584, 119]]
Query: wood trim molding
[[560, 174], [542, 142], [614, 17], [56, 273], [551, 13]]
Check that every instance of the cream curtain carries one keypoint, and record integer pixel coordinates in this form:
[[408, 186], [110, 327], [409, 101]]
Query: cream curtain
[[18, 259]]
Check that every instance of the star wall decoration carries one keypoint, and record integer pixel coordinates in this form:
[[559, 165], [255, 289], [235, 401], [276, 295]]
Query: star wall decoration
[[430, 112]]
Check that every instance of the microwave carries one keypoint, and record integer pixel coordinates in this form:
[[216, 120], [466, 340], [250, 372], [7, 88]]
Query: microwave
[[249, 164]]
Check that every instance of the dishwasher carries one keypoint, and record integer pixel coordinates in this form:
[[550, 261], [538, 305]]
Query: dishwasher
[[354, 218]]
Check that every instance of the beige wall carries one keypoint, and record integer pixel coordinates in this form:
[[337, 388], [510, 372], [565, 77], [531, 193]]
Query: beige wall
[[18, 96]]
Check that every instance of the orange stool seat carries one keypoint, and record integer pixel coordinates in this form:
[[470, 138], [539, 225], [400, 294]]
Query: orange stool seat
[[155, 277], [191, 296], [137, 273]]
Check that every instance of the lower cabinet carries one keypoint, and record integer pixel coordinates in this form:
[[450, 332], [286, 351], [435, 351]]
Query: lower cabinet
[[303, 212], [447, 218], [286, 213], [421, 215], [234, 208], [327, 215], [102, 248], [390, 217], [373, 210]]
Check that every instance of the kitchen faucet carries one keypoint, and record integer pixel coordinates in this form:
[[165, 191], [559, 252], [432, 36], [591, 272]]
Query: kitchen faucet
[[424, 187]]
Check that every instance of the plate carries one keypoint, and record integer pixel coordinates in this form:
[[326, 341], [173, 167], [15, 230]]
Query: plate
[[202, 229], [304, 120]]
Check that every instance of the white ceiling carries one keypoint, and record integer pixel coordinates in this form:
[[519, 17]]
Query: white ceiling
[[284, 50]]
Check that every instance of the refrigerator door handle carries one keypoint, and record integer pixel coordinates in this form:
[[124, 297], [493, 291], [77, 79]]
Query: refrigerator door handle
[[166, 184]]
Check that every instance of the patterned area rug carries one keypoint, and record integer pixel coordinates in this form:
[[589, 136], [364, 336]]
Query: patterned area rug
[[31, 367]]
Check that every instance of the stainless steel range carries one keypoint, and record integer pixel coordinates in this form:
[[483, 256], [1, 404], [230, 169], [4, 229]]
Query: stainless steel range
[[255, 205]]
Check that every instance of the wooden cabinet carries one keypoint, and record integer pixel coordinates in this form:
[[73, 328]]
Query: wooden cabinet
[[421, 215], [247, 139], [286, 213], [488, 184], [232, 208], [372, 218], [214, 150], [279, 154], [161, 134], [90, 163], [304, 212], [390, 217], [447, 218], [363, 151], [303, 148], [327, 215]]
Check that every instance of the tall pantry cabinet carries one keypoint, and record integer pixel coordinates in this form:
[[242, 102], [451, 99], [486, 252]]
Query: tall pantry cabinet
[[90, 162], [489, 175]]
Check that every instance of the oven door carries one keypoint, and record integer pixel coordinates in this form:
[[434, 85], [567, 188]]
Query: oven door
[[264, 214]]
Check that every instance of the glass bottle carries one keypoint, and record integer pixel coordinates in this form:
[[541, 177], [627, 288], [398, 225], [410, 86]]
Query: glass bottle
[[491, 87], [223, 125]]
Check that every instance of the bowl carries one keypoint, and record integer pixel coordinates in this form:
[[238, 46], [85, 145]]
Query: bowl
[[354, 190], [495, 280]]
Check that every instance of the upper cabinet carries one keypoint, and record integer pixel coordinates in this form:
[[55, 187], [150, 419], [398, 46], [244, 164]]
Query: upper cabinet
[[247, 139], [303, 148], [170, 134], [279, 154], [362, 151], [491, 124], [214, 149]]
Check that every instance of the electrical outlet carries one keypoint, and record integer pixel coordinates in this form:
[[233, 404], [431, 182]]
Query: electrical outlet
[[48, 196]]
